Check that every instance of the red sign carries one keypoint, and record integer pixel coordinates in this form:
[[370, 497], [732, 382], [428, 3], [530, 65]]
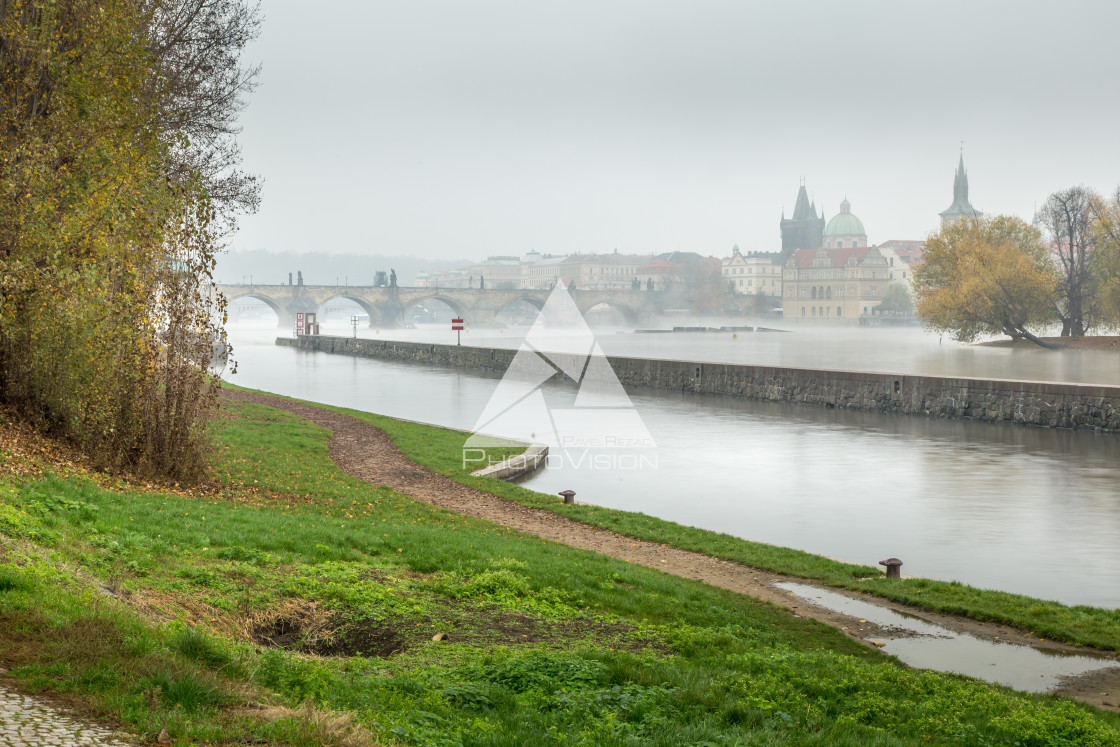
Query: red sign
[[457, 325]]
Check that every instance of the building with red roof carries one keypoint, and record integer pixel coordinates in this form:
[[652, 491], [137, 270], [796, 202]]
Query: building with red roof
[[834, 285]]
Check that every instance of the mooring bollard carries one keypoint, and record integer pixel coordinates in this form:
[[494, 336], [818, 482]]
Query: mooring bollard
[[569, 496], [892, 564]]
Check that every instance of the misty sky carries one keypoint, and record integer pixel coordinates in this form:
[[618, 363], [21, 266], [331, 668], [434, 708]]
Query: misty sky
[[452, 129]]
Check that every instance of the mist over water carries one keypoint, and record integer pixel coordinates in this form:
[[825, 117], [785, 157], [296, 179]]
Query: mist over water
[[1028, 510]]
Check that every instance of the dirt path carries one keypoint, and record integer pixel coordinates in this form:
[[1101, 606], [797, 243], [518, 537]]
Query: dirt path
[[369, 454]]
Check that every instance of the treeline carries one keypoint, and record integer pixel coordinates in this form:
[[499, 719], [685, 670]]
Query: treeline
[[120, 181], [1001, 275]]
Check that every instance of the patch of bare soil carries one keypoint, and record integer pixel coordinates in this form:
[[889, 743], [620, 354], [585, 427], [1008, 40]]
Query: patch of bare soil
[[368, 454], [363, 638]]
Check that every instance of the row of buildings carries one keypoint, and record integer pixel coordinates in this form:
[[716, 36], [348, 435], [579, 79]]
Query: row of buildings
[[825, 270], [613, 271]]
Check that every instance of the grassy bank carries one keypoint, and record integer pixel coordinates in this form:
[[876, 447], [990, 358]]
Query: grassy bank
[[296, 605], [440, 449]]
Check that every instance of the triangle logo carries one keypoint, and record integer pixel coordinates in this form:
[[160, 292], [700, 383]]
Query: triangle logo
[[561, 347]]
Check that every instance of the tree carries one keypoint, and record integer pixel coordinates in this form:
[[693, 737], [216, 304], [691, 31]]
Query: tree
[[986, 276], [109, 223], [896, 300], [199, 86], [1068, 218], [1106, 257]]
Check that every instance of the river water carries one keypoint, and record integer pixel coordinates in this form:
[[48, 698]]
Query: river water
[[1028, 510]]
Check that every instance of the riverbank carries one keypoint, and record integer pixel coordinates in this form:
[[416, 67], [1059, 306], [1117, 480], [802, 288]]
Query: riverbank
[[1047, 404], [216, 613], [1095, 342]]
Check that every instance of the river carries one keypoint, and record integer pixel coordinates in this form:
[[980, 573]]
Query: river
[[1027, 510]]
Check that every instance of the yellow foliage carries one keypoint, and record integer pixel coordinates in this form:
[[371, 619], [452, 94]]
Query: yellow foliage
[[985, 277], [102, 259]]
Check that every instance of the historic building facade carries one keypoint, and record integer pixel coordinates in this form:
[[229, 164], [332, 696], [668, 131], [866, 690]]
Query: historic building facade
[[753, 274], [834, 285]]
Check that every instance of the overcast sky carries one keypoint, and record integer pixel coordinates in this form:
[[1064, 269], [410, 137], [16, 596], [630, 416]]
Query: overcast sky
[[466, 129]]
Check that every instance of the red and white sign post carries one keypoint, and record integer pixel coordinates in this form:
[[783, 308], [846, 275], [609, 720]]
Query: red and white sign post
[[299, 323], [457, 326]]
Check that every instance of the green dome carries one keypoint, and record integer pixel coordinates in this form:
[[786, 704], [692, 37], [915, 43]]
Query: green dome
[[844, 223]]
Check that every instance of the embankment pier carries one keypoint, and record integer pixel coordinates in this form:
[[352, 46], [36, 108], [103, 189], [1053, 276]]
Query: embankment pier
[[1039, 403]]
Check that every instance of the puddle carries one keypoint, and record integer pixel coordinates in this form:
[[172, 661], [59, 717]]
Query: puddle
[[924, 645]]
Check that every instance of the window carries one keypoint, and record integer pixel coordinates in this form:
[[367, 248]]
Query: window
[[802, 311], [814, 311], [839, 311]]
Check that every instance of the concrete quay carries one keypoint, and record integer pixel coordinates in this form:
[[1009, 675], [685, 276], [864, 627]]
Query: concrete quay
[[1039, 403]]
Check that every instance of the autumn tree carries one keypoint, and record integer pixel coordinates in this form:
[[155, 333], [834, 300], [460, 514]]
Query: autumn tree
[[198, 87], [986, 276], [1106, 258], [1068, 217], [109, 224]]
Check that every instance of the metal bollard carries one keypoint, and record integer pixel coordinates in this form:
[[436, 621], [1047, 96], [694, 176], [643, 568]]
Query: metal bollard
[[892, 564], [569, 496]]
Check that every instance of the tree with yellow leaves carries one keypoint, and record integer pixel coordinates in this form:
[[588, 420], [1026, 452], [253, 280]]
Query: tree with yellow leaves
[[107, 219], [1106, 257], [987, 276]]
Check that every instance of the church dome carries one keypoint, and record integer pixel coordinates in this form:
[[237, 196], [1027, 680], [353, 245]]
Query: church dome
[[844, 223]]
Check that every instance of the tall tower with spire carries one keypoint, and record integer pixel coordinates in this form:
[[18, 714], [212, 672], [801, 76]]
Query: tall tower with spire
[[805, 230], [961, 207]]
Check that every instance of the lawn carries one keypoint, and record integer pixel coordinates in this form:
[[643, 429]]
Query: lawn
[[296, 605]]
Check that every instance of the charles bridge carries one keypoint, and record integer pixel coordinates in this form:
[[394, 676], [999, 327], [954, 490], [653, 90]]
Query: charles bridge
[[387, 306]]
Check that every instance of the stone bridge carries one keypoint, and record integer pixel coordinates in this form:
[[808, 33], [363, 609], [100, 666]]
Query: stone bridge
[[387, 306]]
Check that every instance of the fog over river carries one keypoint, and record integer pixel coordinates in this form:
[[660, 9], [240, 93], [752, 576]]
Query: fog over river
[[1027, 510]]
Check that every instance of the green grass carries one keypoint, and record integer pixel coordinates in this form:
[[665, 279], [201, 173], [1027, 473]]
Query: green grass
[[440, 449], [548, 643]]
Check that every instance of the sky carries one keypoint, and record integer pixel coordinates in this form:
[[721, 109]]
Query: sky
[[448, 129]]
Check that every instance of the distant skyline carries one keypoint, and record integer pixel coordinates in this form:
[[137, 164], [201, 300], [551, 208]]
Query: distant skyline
[[443, 129]]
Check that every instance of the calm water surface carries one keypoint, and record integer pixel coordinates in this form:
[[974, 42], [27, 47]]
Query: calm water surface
[[1026, 510]]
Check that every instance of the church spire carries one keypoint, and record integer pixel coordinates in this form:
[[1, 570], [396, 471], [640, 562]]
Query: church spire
[[961, 207]]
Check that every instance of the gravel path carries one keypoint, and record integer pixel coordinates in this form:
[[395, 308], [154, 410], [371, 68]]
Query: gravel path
[[368, 453], [28, 722]]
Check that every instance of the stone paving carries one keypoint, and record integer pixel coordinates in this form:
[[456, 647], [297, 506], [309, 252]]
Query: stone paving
[[27, 722]]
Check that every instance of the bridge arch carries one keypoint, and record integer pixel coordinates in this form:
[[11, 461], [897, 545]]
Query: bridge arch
[[628, 313], [510, 307], [375, 316], [281, 312], [457, 308]]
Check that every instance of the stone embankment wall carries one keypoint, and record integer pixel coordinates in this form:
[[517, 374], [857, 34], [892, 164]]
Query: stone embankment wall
[[994, 400]]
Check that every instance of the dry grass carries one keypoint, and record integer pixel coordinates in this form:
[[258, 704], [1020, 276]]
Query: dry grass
[[320, 727], [290, 623]]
